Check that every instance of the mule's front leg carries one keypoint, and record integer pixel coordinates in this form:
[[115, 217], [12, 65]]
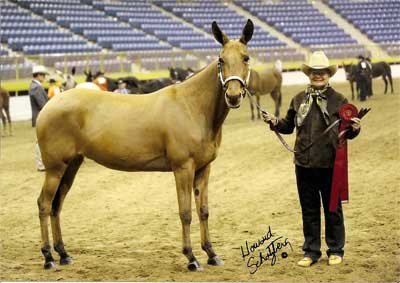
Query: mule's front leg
[[201, 197], [184, 176]]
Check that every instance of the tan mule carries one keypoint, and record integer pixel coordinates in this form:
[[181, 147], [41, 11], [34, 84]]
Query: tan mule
[[306, 262], [335, 259]]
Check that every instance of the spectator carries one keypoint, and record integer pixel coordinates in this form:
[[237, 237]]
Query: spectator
[[53, 89], [38, 99], [121, 87]]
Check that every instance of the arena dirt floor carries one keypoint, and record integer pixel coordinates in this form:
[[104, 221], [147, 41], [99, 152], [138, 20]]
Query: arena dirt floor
[[121, 226]]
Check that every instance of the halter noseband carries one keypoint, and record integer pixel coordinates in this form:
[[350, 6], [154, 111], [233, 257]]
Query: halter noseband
[[244, 83]]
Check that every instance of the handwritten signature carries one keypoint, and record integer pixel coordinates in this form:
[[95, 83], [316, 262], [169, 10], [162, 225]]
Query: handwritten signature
[[263, 250]]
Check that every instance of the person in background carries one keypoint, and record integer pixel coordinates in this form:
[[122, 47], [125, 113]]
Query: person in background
[[311, 112], [53, 89], [38, 98], [100, 81], [121, 87], [362, 77], [369, 82]]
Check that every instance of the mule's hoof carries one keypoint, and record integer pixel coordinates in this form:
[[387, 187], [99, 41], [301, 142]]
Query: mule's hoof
[[215, 261], [50, 265], [66, 260], [194, 266]]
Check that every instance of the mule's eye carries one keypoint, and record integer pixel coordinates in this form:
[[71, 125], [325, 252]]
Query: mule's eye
[[221, 60], [246, 58]]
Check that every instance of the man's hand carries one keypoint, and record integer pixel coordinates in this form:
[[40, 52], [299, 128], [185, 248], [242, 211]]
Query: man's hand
[[269, 118], [356, 123]]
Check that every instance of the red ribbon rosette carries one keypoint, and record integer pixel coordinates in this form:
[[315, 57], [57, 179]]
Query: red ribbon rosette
[[340, 180], [347, 112]]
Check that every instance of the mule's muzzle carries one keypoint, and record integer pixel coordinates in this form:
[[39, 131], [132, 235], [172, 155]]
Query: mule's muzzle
[[233, 101]]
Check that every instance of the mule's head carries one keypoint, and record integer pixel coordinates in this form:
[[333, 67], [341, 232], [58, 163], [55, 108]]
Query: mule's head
[[233, 65]]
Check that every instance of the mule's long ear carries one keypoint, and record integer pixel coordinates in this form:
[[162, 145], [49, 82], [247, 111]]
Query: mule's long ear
[[73, 70], [218, 34], [247, 32]]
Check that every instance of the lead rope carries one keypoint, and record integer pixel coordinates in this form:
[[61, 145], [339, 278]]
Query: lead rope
[[282, 140]]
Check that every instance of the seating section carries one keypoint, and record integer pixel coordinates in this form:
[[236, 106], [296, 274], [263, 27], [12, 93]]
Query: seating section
[[9, 66], [300, 20], [393, 49], [142, 15], [95, 25], [203, 13], [107, 65], [3, 51], [379, 20], [33, 35], [164, 59], [153, 34]]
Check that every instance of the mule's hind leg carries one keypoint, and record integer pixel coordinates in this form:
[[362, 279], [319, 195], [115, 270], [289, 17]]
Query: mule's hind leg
[[276, 96], [251, 102], [200, 189], [63, 189], [3, 119], [8, 116], [49, 190], [10, 132]]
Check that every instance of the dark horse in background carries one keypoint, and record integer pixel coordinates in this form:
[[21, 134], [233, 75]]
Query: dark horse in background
[[178, 74], [133, 84], [378, 69], [5, 111]]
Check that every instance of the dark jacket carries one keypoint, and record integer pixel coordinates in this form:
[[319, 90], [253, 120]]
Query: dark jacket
[[38, 98], [322, 153]]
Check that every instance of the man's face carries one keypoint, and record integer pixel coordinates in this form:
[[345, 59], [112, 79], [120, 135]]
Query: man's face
[[41, 77], [319, 78]]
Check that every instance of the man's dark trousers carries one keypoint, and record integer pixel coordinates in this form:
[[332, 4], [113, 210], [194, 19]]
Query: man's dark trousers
[[311, 184]]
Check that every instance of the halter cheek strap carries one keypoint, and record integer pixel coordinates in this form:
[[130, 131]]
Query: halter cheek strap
[[244, 83]]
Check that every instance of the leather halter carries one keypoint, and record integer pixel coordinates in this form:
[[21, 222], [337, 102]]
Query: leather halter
[[244, 83]]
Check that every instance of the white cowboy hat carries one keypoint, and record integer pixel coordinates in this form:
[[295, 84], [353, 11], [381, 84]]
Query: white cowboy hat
[[318, 61], [39, 69]]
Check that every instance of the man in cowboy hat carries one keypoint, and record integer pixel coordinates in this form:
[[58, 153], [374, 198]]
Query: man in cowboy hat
[[311, 112], [38, 98], [37, 94]]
